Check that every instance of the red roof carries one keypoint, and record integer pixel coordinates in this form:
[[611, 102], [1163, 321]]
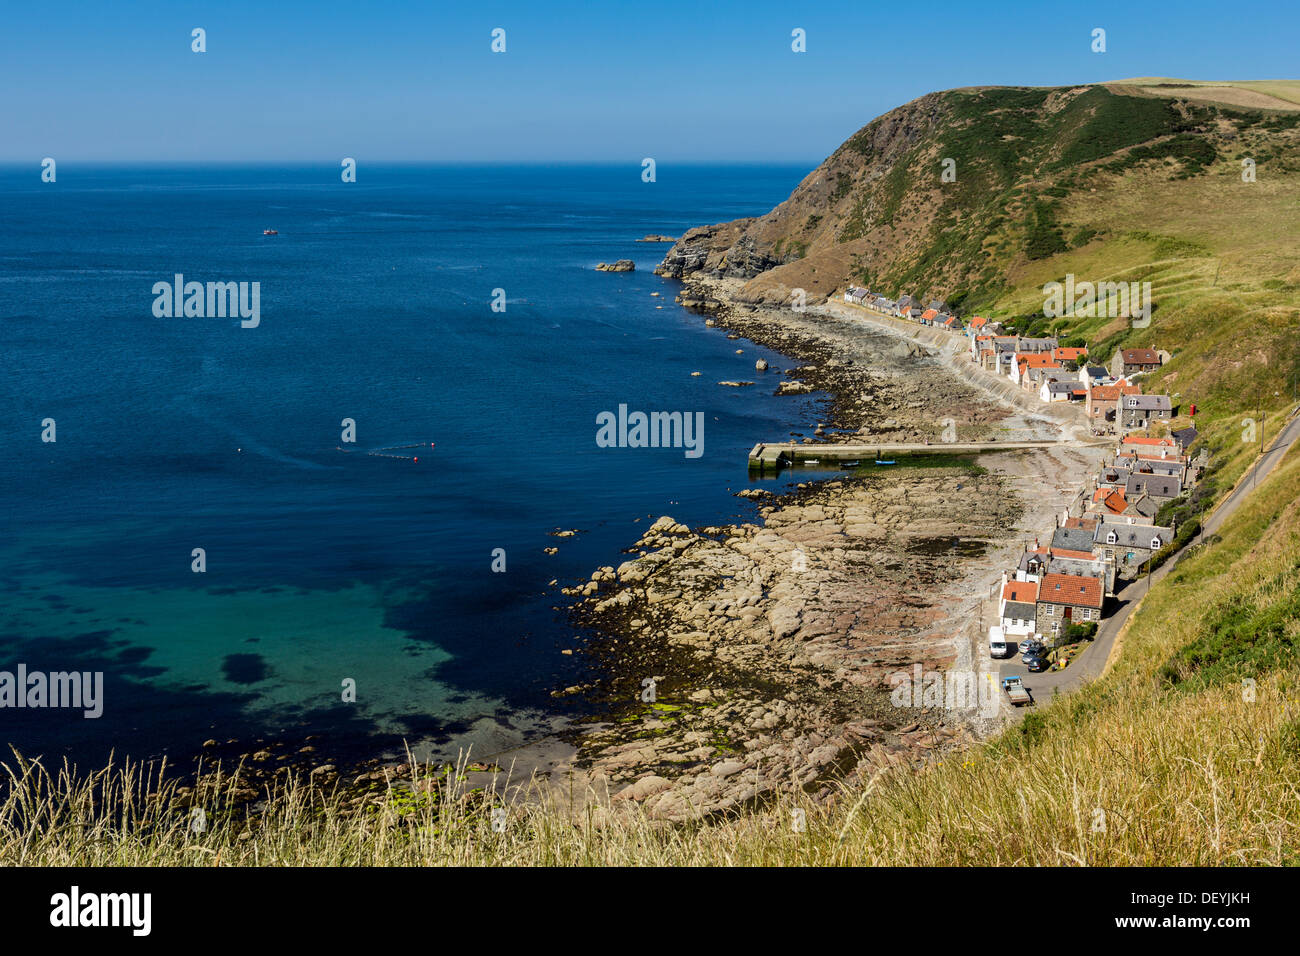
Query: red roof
[[929, 313], [1111, 499], [979, 320], [1068, 354], [1112, 393], [1139, 356], [1025, 592], [1075, 590], [1036, 360], [1141, 440]]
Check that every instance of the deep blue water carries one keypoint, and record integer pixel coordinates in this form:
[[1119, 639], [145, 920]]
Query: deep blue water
[[183, 433]]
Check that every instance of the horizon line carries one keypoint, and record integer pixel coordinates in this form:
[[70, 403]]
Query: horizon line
[[161, 163]]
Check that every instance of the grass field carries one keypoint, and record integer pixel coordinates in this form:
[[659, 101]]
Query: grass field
[[1252, 94]]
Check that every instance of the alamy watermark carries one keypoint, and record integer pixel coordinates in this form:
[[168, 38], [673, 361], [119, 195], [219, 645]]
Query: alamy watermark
[[126, 910], [1086, 300], [218, 300], [653, 430], [78, 690], [951, 690]]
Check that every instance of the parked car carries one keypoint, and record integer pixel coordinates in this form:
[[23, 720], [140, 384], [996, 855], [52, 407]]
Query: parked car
[[1037, 663], [1031, 649]]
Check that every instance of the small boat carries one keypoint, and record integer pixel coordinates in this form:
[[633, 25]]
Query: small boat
[[850, 464], [812, 461], [270, 232], [890, 462]]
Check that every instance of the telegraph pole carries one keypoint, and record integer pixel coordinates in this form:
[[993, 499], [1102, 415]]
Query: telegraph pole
[[1254, 475]]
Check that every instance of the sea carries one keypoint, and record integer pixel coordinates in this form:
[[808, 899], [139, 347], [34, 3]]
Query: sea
[[334, 521]]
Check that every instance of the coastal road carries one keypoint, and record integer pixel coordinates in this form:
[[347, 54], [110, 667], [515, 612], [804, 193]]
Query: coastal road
[[1092, 661]]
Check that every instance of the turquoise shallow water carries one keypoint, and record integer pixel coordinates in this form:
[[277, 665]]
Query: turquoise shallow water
[[183, 433]]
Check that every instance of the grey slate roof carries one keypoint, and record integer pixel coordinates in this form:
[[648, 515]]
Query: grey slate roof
[[1158, 486], [1146, 506], [1157, 466], [1037, 345], [1029, 558], [1020, 611], [1148, 403], [1076, 565], [1116, 476], [1133, 535], [1073, 539]]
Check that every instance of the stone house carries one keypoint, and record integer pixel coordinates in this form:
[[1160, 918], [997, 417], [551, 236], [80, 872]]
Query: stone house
[[1132, 361], [1139, 411], [1127, 545], [1102, 403], [1067, 599]]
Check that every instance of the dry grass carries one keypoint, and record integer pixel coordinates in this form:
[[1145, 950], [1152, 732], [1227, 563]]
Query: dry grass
[[1128, 771], [1249, 94]]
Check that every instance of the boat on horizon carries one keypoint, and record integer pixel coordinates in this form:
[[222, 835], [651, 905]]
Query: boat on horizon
[[270, 232]]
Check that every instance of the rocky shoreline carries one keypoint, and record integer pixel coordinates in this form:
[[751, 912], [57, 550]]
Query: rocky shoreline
[[729, 664], [733, 663]]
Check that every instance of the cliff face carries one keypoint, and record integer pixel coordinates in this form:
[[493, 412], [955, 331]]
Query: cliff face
[[809, 227], [942, 196]]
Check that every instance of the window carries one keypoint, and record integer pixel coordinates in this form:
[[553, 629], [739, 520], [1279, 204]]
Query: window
[[1112, 537], [1155, 544]]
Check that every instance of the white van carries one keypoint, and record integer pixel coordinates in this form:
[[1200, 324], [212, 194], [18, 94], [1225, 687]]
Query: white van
[[998, 645]]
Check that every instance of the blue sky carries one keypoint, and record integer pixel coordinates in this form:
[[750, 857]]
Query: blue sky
[[606, 81]]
